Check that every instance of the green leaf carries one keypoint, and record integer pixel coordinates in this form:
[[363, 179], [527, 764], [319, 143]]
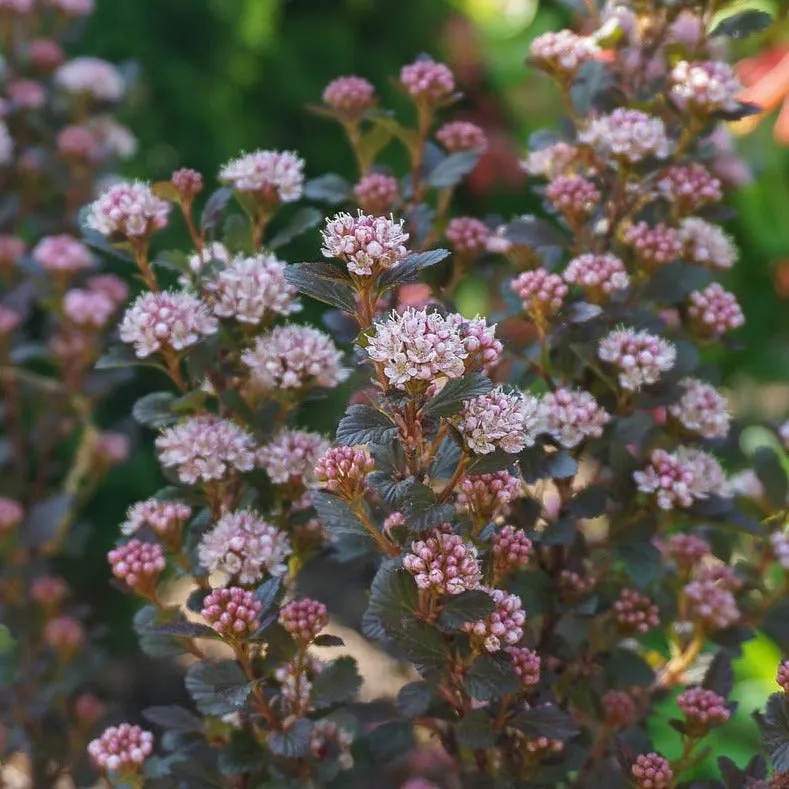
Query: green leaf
[[414, 699], [744, 24], [774, 725], [363, 424], [592, 79], [217, 688], [719, 676], [122, 356], [303, 220], [546, 721], [45, 519], [100, 243], [337, 515], [185, 629], [293, 742], [535, 589], [475, 730], [236, 234], [498, 460], [174, 718], [215, 207], [424, 646], [393, 595], [455, 392], [323, 282], [625, 667], [268, 592], [157, 645], [7, 641], [589, 503], [330, 188], [395, 129], [328, 640], [672, 283], [372, 143], [155, 409], [469, 606], [243, 754], [641, 559], [772, 475], [421, 508], [391, 740], [450, 171], [533, 232], [409, 268], [491, 677], [338, 683]]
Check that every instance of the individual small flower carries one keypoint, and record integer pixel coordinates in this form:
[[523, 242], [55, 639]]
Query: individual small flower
[[562, 52], [278, 176], [231, 611], [164, 518], [188, 183], [444, 564], [782, 676], [458, 136], [330, 742], [294, 357], [428, 81], [550, 161], [714, 310], [655, 245], [206, 448], [138, 564], [687, 550], [640, 357], [304, 619], [253, 289], [467, 235], [128, 209], [635, 613], [291, 456], [488, 496], [702, 409], [704, 87], [703, 709], [111, 448], [377, 193], [65, 634], [92, 77], [26, 93], [295, 685], [571, 416], [62, 254], [88, 308], [710, 605], [121, 749], [511, 551], [350, 94], [11, 514], [707, 244], [573, 196], [525, 664], [619, 710], [197, 261], [688, 187], [502, 627], [11, 249], [73, 7], [498, 421], [9, 321], [629, 135], [77, 142], [541, 292], [671, 478], [344, 470], [652, 771], [166, 321], [479, 339], [574, 587], [49, 591], [367, 244], [245, 546]]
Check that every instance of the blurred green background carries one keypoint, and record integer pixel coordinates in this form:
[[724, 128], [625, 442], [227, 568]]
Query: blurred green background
[[219, 76]]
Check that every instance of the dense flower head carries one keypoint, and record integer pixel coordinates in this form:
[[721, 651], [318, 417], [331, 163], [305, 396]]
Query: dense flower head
[[525, 664], [702, 409], [573, 586], [498, 420], [9, 321], [630, 135], [467, 234], [636, 613], [563, 51], [705, 87], [511, 551], [462, 136], [206, 448], [45, 54], [541, 292], [244, 546], [377, 193], [62, 254], [77, 142], [782, 676], [17, 6], [717, 572], [231, 611], [111, 447], [73, 7], [65, 634], [687, 550], [91, 76], [573, 196], [290, 457], [26, 93], [366, 244], [688, 187], [128, 209], [654, 245], [678, 479], [619, 710], [88, 308], [714, 310], [550, 161], [343, 470], [707, 244], [331, 742], [277, 175], [168, 321], [304, 619], [253, 289], [188, 183], [138, 564], [11, 514], [294, 357], [710, 605], [570, 416], [444, 564], [703, 709], [49, 591], [114, 138], [350, 94], [488, 496], [114, 287], [640, 357], [427, 80], [164, 518], [504, 626], [121, 749], [484, 350], [652, 771]]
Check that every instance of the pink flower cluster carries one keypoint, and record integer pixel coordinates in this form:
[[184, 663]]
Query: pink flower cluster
[[705, 87], [163, 517], [715, 310], [89, 308], [304, 619], [654, 245], [93, 77], [9, 321], [444, 564], [652, 771], [503, 626], [707, 244], [231, 611], [11, 249], [62, 254], [467, 235], [498, 420], [629, 135], [550, 161], [571, 416], [243, 545], [511, 551], [462, 136], [206, 448], [688, 187], [541, 292], [290, 457], [77, 142], [564, 51], [779, 543], [344, 470], [128, 209], [138, 564], [687, 550], [619, 711], [636, 613], [121, 749], [702, 409], [367, 244], [782, 676], [488, 496], [350, 94], [377, 193], [710, 605], [11, 514], [703, 709], [641, 357], [331, 742], [278, 176], [49, 591], [428, 81], [65, 634], [526, 665], [573, 196], [187, 182], [26, 94], [294, 357], [573, 586]]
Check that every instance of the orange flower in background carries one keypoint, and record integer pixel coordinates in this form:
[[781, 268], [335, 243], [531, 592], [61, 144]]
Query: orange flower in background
[[766, 80]]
